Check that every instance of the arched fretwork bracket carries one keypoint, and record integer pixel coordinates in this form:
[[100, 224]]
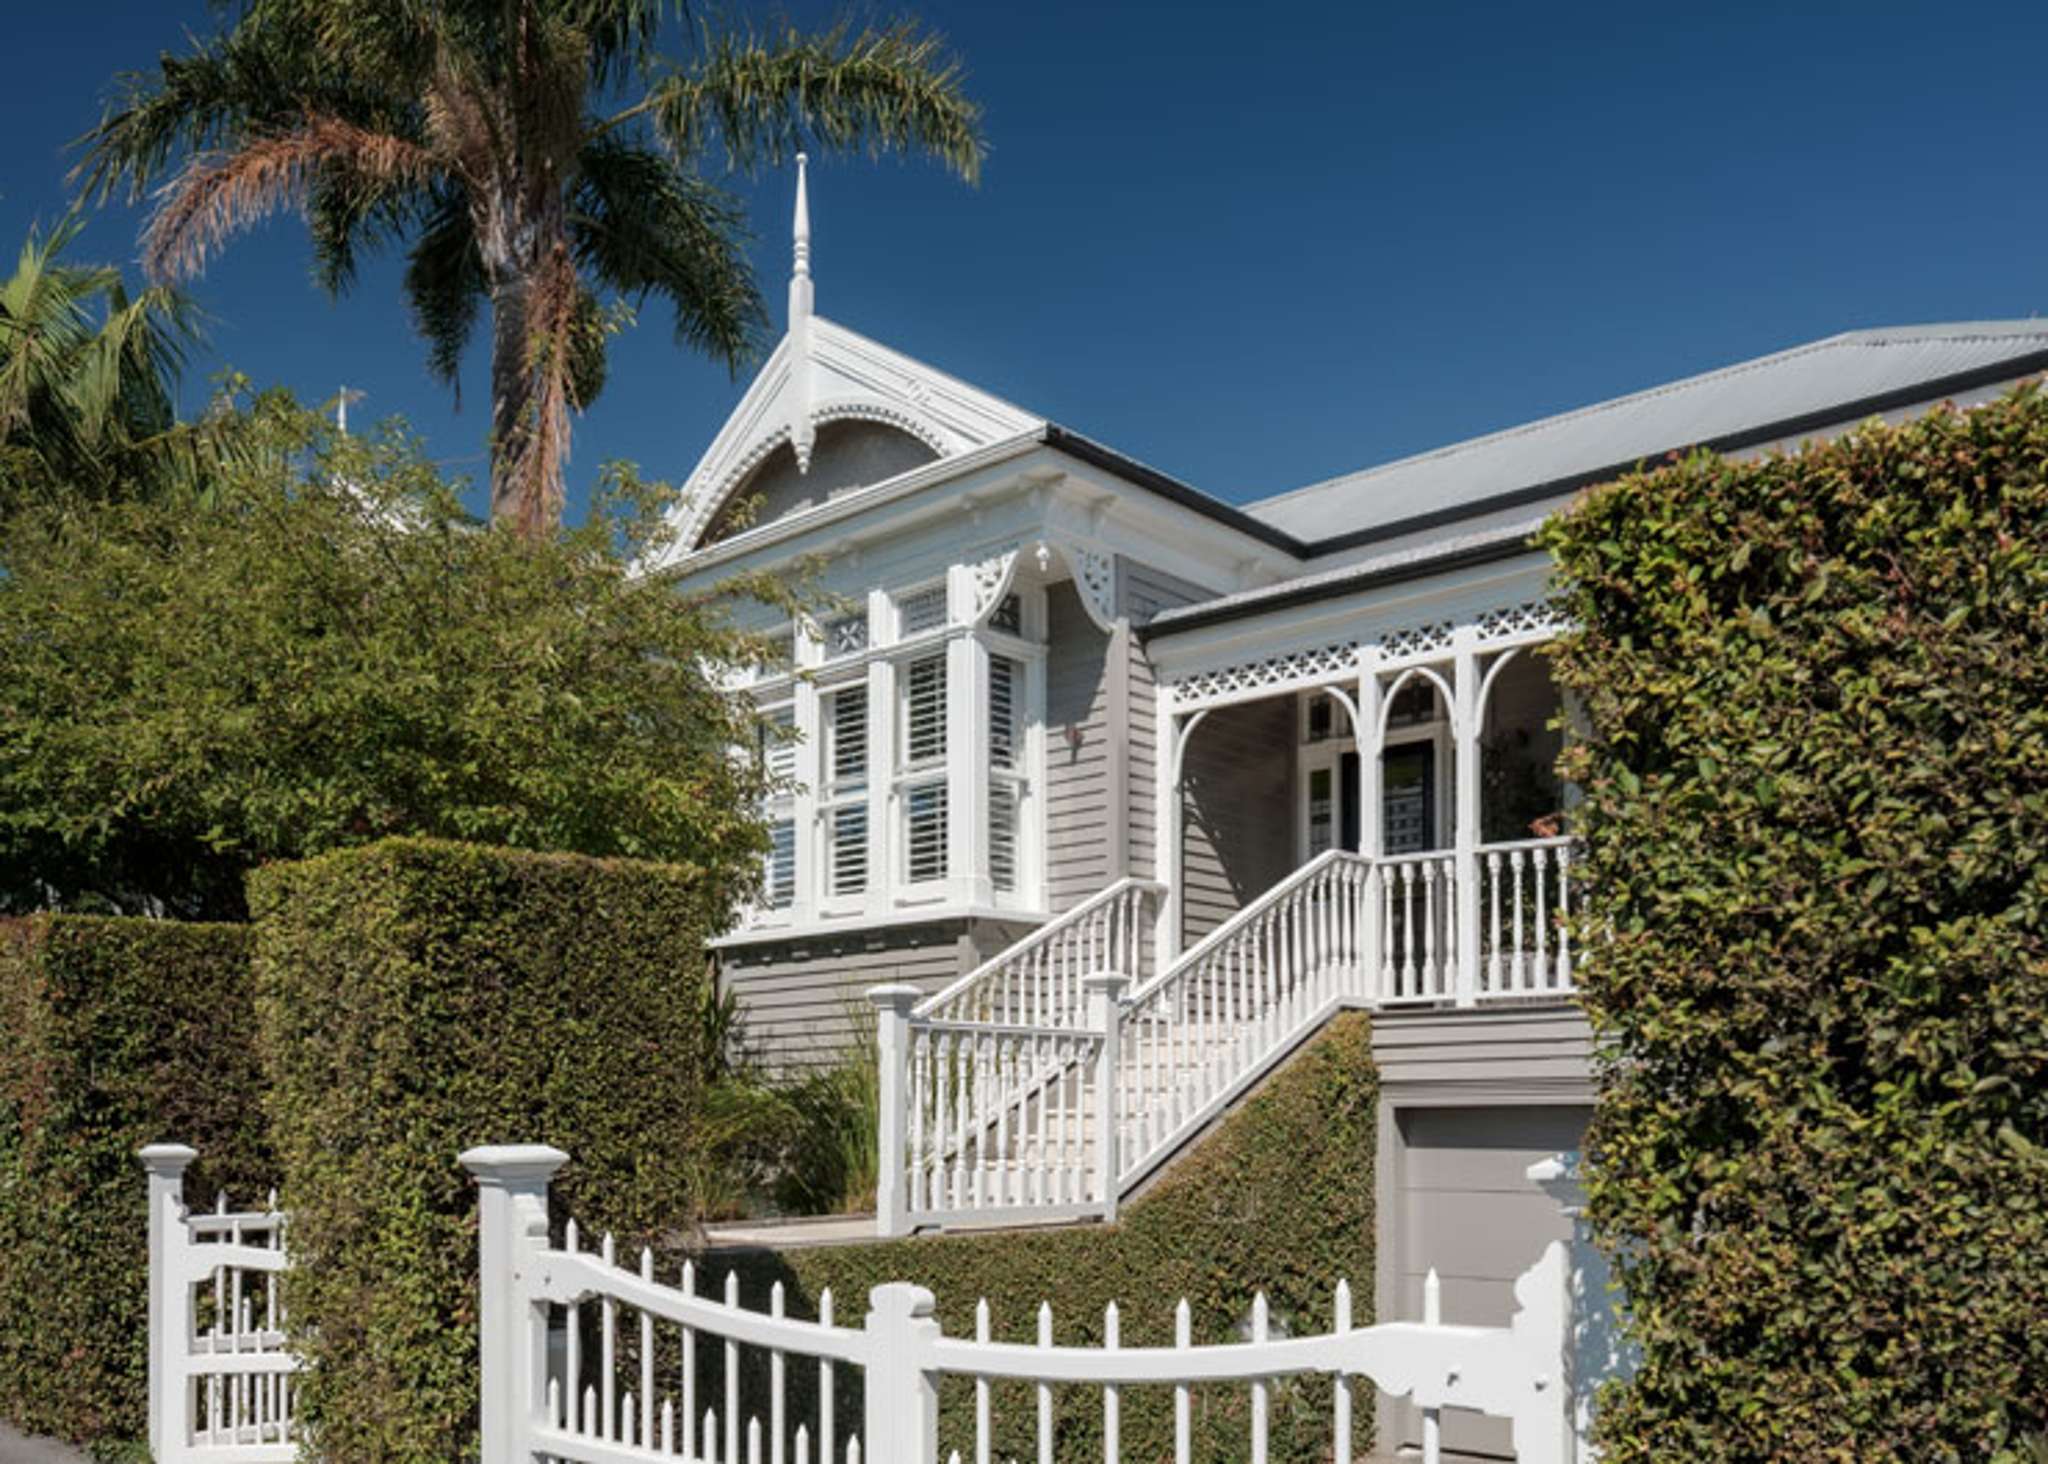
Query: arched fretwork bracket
[[988, 581], [1094, 573]]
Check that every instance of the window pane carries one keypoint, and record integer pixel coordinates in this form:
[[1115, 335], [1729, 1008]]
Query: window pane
[[778, 747], [925, 832], [924, 711], [1008, 617], [847, 721], [1005, 736], [1002, 835], [781, 882], [923, 610], [849, 850]]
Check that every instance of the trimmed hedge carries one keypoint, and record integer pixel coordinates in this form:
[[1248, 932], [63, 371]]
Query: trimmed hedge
[[1816, 828], [119, 1033], [1279, 1198], [418, 998]]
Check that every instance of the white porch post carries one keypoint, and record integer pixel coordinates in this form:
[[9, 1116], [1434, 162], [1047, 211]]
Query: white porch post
[[1166, 832], [169, 1320], [512, 1329], [893, 1098], [1372, 834], [1465, 761]]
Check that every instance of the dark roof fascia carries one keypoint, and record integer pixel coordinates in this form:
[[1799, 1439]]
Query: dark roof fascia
[[1132, 471], [1492, 551], [1849, 413]]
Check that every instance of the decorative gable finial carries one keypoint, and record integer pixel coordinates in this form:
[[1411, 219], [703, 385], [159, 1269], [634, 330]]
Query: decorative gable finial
[[802, 433]]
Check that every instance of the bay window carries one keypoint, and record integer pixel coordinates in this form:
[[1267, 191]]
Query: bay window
[[907, 751]]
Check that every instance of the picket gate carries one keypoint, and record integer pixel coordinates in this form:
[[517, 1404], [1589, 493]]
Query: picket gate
[[544, 1402], [221, 1381]]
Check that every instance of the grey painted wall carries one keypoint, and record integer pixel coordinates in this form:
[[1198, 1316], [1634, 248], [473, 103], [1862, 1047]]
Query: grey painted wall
[[803, 999], [1082, 842], [1237, 793]]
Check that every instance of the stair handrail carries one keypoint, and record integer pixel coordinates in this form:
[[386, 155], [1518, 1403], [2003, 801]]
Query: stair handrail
[[935, 1005], [1251, 913]]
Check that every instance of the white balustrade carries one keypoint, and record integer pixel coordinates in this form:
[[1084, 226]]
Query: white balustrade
[[1002, 1119], [603, 1409], [1014, 1095], [1418, 900], [1037, 981], [1526, 895], [1192, 1038]]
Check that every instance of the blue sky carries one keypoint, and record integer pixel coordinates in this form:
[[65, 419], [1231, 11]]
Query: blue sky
[[1260, 246]]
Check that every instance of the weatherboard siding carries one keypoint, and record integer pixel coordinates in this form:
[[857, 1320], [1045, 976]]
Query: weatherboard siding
[[1237, 780], [1082, 841]]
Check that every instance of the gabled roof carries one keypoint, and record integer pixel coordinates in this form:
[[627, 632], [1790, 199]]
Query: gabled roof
[[1773, 398], [823, 373]]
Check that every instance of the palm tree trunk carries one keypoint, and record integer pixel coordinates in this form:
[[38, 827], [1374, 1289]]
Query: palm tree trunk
[[511, 396]]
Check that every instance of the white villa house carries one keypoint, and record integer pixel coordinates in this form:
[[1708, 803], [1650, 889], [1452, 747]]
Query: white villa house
[[1122, 790]]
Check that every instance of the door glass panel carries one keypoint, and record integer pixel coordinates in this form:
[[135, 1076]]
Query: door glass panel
[[1321, 811], [1407, 800]]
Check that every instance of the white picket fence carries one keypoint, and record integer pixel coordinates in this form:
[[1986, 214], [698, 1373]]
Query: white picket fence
[[221, 1382], [582, 1410]]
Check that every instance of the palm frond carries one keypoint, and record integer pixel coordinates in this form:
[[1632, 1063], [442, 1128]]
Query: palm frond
[[445, 285], [873, 91], [643, 227], [216, 194]]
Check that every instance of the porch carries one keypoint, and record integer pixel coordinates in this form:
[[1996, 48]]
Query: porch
[[1424, 760], [1358, 825]]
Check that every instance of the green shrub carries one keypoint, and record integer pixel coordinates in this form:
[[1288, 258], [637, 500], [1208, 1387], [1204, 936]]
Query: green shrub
[[1279, 1198], [418, 998], [118, 1033], [1816, 938]]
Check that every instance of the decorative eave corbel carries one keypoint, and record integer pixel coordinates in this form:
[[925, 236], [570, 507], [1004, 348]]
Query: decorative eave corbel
[[990, 580], [1094, 572]]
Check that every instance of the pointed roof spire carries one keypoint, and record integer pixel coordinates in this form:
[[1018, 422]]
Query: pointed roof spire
[[800, 276], [802, 432]]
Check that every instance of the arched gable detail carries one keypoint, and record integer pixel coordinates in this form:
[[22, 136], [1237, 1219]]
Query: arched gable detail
[[831, 374], [705, 507]]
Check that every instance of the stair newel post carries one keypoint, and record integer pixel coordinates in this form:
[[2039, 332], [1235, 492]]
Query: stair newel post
[[892, 1005], [1105, 1006], [512, 1324], [1465, 725], [170, 1300]]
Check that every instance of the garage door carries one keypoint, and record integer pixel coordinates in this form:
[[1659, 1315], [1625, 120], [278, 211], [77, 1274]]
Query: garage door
[[1464, 1204]]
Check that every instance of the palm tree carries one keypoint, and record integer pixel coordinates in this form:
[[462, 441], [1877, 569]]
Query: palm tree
[[88, 377], [532, 156]]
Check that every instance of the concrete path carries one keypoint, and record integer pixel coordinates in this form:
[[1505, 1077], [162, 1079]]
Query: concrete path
[[19, 1449]]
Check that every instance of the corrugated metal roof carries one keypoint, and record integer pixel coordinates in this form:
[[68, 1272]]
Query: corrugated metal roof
[[1801, 383]]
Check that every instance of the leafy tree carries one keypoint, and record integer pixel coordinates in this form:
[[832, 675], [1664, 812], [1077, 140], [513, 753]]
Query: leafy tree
[[88, 375], [292, 663], [531, 154]]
